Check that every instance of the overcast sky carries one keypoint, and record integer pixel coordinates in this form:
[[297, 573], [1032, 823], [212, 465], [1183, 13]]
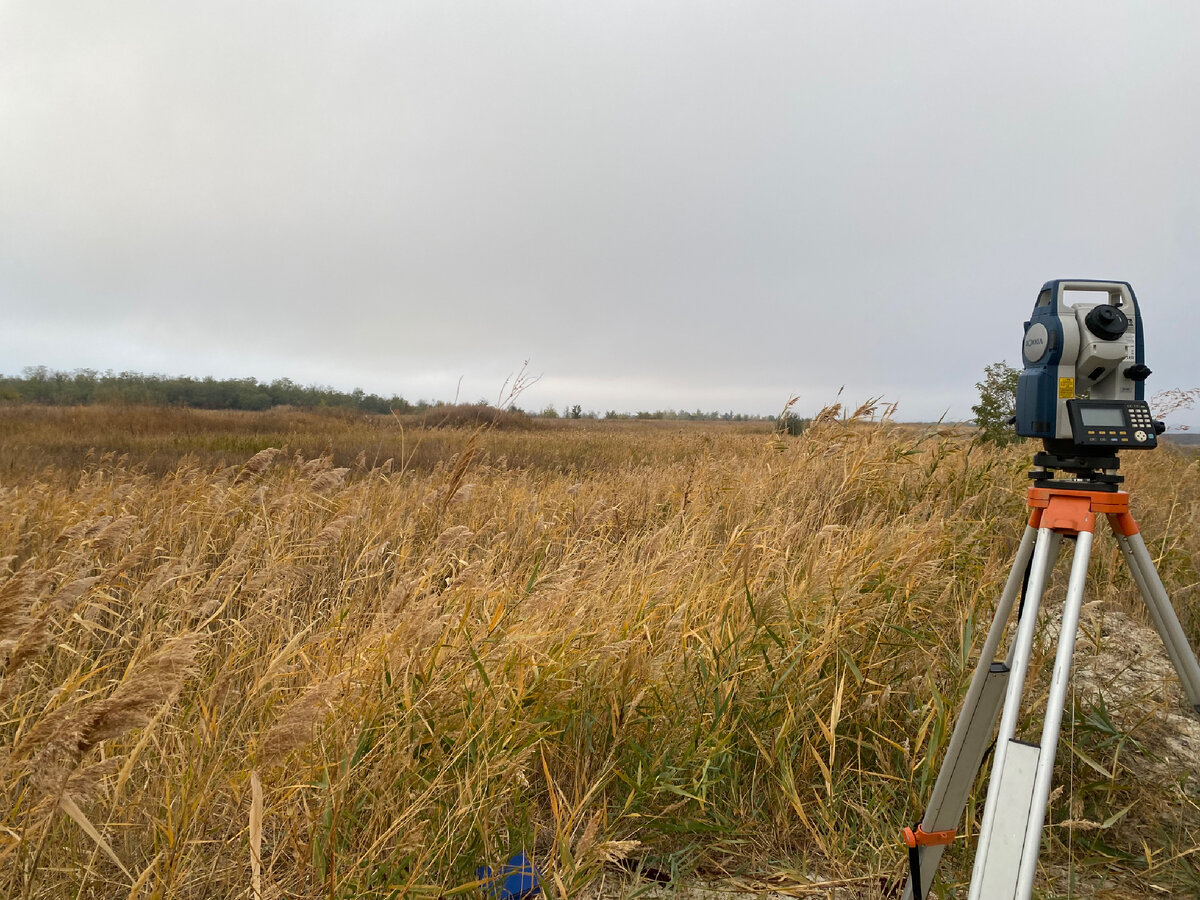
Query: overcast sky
[[659, 204]]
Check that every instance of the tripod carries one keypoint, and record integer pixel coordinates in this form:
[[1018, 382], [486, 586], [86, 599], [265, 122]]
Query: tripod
[[1010, 831]]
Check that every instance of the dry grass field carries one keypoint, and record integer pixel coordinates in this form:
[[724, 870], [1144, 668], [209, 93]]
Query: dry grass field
[[290, 655]]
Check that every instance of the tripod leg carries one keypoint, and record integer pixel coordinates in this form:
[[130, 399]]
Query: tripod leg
[[1141, 566], [999, 840], [973, 729], [1059, 682]]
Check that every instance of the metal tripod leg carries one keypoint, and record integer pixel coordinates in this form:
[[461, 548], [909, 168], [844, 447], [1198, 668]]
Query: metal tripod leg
[[1059, 682], [973, 729], [1015, 766], [1141, 566]]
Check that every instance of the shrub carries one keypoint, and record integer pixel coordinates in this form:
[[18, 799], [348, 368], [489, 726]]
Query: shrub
[[997, 404]]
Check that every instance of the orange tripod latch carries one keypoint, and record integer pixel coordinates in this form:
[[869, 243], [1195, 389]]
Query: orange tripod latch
[[922, 838], [915, 839]]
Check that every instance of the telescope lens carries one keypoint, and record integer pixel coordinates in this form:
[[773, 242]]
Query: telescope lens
[[1106, 322]]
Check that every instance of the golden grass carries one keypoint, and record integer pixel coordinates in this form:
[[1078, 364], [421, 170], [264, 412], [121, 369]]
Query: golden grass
[[287, 655]]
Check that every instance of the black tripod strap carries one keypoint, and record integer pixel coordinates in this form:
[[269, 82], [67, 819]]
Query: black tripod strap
[[914, 872]]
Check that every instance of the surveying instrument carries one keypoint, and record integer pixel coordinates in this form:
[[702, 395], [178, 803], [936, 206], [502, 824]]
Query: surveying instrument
[[1082, 393]]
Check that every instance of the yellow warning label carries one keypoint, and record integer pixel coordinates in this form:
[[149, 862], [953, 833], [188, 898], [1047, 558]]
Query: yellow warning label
[[1066, 388]]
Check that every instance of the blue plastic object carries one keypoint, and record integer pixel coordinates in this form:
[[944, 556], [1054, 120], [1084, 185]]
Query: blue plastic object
[[516, 880]]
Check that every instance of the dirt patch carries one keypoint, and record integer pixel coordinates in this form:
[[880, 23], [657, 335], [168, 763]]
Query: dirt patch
[[1124, 662]]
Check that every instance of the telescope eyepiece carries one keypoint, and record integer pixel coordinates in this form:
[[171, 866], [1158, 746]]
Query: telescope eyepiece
[[1106, 322]]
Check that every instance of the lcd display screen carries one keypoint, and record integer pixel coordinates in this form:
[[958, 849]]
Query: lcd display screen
[[1102, 416]]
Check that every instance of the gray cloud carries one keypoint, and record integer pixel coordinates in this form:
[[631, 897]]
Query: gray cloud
[[667, 204]]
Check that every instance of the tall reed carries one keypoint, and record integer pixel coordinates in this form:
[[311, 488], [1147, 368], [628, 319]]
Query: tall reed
[[696, 648]]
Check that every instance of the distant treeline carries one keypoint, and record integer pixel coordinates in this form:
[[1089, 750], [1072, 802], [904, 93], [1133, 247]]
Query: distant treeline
[[84, 387], [673, 415]]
